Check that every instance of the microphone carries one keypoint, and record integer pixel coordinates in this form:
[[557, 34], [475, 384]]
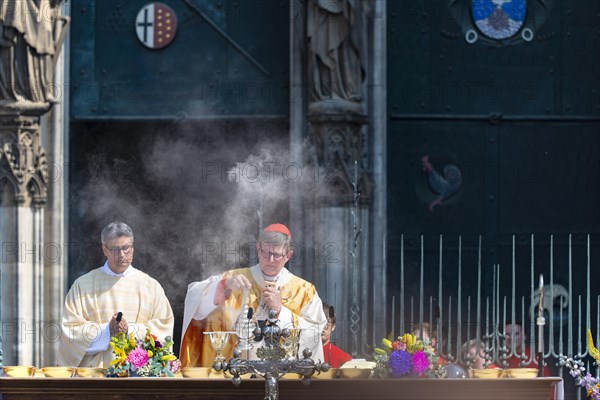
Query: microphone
[[119, 316], [250, 313], [251, 328], [331, 317]]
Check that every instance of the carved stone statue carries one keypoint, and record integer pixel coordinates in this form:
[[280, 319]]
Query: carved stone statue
[[31, 34], [336, 54]]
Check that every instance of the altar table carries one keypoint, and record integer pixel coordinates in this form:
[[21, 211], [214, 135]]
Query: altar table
[[184, 389]]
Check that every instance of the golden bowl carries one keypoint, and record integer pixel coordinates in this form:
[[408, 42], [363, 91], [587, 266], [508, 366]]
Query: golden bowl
[[19, 371], [331, 374], [58, 372], [522, 372], [490, 373], [355, 373], [91, 372], [196, 372], [291, 375], [214, 374]]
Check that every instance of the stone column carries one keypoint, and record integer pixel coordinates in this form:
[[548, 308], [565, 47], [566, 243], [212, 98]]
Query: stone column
[[341, 218], [300, 263], [23, 180], [379, 317], [55, 251], [337, 65], [31, 36]]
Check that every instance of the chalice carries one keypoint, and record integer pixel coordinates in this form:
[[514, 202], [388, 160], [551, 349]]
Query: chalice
[[219, 340]]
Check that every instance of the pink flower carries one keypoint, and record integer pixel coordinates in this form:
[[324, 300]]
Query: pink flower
[[398, 345], [174, 366], [420, 362], [138, 357]]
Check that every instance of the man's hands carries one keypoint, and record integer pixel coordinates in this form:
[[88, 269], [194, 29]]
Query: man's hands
[[116, 327], [271, 294], [237, 283], [272, 297]]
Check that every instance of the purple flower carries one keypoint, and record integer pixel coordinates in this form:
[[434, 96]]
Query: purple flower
[[157, 344], [400, 363], [138, 357], [420, 362], [592, 386]]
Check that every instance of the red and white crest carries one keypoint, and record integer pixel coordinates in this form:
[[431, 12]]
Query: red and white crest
[[156, 25]]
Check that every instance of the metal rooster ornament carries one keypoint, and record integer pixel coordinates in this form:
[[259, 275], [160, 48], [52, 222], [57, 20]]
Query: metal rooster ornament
[[444, 185]]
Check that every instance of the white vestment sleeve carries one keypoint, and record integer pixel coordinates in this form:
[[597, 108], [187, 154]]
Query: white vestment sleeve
[[100, 343], [199, 301], [207, 305], [311, 322], [286, 319]]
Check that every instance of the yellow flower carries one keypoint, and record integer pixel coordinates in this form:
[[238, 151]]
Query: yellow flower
[[150, 353], [387, 343], [118, 361], [132, 341], [409, 339], [593, 350], [591, 389], [412, 344], [380, 351]]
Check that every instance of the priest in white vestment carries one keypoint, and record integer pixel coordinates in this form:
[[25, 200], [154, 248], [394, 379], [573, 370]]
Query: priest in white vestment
[[113, 298], [215, 304]]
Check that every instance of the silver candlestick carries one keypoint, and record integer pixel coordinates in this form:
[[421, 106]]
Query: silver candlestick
[[541, 321]]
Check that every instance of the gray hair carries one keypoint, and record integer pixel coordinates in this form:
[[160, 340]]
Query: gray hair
[[275, 239], [115, 230]]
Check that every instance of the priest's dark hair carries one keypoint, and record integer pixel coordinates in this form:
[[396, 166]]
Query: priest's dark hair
[[329, 313]]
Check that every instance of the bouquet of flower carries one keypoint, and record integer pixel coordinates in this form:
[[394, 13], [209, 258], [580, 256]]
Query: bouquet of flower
[[407, 356], [577, 370], [148, 357]]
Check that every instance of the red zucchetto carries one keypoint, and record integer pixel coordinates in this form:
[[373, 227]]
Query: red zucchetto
[[281, 228]]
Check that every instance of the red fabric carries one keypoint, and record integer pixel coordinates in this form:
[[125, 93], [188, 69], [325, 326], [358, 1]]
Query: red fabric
[[281, 228], [335, 356], [442, 362], [221, 294], [513, 362]]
